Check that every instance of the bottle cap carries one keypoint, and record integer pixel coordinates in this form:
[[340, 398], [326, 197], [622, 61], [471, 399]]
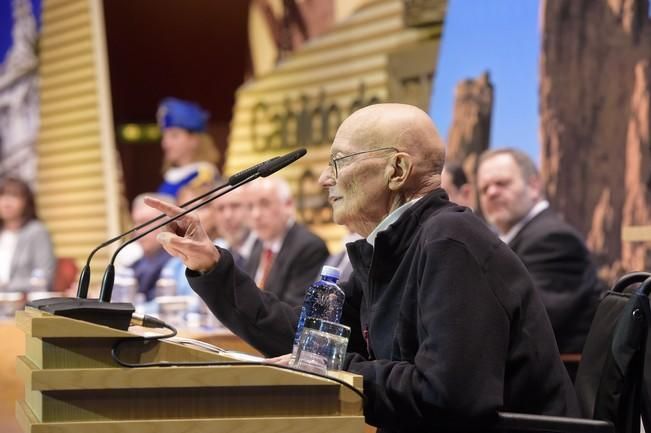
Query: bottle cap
[[331, 271]]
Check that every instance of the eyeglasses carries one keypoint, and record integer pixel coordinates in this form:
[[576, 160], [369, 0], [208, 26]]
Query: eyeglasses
[[335, 163]]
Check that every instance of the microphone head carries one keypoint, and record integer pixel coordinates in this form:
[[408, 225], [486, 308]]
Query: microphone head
[[272, 166], [246, 173]]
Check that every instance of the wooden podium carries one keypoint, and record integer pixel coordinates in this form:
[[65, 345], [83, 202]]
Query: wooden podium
[[72, 385]]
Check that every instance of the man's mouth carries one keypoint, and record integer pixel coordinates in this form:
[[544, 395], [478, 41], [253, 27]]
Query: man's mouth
[[333, 199]]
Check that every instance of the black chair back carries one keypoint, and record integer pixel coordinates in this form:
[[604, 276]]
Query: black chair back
[[613, 390], [610, 381]]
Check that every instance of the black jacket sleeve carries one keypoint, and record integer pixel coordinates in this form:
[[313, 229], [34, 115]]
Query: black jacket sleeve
[[256, 316], [459, 318]]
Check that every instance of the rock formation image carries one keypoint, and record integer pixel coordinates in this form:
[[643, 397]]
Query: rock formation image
[[635, 255], [595, 120], [469, 133]]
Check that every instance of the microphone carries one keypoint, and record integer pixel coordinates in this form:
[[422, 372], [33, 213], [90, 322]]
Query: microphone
[[240, 176], [119, 315], [84, 275], [268, 168], [263, 169], [109, 274]]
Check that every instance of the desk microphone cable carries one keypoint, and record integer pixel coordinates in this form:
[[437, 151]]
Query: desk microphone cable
[[148, 321]]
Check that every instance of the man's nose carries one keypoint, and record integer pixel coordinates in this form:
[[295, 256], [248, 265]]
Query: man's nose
[[255, 212], [327, 177], [492, 191]]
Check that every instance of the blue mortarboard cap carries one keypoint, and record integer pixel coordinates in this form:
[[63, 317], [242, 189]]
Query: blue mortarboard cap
[[174, 112]]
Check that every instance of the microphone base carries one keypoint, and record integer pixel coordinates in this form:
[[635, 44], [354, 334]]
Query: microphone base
[[114, 315]]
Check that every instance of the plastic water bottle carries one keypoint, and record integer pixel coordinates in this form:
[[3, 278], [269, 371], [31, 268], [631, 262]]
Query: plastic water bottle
[[125, 285], [324, 299], [166, 283]]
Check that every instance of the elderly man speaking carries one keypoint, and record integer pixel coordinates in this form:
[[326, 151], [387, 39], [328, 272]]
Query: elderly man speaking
[[452, 327]]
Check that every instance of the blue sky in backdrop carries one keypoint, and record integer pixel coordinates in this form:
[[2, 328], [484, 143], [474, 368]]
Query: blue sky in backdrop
[[6, 19], [502, 37]]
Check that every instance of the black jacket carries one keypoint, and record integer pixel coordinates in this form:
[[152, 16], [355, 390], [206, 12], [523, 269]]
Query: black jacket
[[296, 266], [564, 275], [455, 330]]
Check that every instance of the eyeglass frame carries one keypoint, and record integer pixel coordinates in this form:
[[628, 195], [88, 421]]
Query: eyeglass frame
[[333, 161]]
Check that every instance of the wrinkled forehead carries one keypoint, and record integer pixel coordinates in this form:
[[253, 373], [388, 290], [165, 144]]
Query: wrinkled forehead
[[263, 190], [498, 171], [357, 137], [500, 165]]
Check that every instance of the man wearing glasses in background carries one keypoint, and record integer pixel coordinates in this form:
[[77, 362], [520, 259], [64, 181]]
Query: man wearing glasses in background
[[446, 326]]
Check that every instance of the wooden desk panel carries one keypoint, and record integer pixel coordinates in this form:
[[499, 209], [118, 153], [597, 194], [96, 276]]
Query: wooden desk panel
[[229, 341], [13, 345], [221, 338]]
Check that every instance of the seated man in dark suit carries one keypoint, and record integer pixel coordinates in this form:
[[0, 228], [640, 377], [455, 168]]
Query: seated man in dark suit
[[511, 198], [286, 257], [232, 219], [446, 327]]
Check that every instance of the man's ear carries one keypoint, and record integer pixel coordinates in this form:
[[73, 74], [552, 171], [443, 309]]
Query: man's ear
[[466, 192], [399, 170], [289, 207], [535, 187]]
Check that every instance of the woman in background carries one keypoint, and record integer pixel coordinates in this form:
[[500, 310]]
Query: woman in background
[[25, 244], [190, 156]]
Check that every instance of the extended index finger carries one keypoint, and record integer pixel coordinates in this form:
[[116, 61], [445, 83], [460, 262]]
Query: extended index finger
[[167, 208]]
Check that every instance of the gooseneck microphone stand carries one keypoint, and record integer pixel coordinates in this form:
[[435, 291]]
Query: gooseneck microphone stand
[[118, 315]]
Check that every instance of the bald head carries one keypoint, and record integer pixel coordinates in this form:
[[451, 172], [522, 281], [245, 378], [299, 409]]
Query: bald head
[[405, 127], [383, 156]]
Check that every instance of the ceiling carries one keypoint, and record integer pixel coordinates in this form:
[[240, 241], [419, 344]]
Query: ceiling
[[192, 49]]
